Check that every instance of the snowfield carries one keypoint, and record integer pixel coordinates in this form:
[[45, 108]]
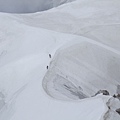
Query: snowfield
[[87, 70], [29, 6], [52, 63]]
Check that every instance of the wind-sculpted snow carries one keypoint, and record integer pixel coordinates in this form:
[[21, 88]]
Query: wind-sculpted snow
[[29, 6], [95, 19], [60, 87]]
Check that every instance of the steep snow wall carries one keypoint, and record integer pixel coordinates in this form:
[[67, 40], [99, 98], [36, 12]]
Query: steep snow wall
[[82, 69], [28, 6]]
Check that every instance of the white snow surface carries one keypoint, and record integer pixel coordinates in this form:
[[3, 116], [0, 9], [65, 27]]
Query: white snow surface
[[29, 6], [83, 40]]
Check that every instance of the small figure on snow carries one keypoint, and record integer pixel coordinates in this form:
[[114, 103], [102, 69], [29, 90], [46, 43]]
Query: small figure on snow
[[50, 56], [47, 67], [114, 96]]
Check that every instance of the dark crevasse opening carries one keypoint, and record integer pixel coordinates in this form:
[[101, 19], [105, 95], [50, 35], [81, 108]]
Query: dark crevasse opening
[[29, 6]]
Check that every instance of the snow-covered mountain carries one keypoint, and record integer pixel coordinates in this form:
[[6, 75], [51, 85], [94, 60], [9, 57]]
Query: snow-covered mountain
[[53, 62]]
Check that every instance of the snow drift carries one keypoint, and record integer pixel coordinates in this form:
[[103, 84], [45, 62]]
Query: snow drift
[[29, 6]]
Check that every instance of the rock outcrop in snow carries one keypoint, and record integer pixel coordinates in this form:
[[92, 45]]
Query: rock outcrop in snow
[[113, 105]]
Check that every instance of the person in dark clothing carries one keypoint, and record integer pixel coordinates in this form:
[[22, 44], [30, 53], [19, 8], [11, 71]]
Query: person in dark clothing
[[114, 96], [50, 56], [47, 67]]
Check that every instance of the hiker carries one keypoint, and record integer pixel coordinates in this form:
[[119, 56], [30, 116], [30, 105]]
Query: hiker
[[50, 56], [114, 96], [47, 67]]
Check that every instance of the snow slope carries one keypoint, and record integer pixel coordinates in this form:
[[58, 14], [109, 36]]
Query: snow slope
[[85, 51], [29, 6], [23, 66], [95, 19]]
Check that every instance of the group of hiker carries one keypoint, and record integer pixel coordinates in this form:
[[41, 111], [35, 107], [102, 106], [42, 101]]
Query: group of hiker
[[49, 57]]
